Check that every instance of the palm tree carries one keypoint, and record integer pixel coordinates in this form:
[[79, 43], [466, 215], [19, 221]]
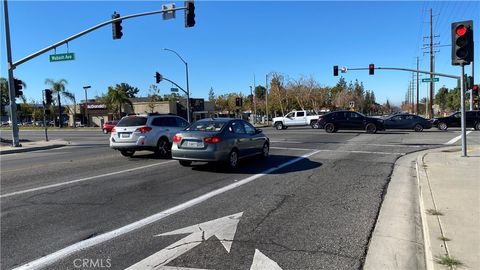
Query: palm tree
[[58, 87], [116, 98]]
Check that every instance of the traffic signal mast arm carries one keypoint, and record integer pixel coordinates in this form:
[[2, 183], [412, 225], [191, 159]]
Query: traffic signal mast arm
[[411, 70], [42, 51], [163, 78]]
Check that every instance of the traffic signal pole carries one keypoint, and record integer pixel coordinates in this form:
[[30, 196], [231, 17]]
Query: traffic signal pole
[[11, 86], [462, 109]]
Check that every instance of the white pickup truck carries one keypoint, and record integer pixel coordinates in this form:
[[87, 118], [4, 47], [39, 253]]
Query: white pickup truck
[[296, 118]]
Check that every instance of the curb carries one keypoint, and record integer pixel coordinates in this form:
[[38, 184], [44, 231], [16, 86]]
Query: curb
[[31, 149], [426, 234]]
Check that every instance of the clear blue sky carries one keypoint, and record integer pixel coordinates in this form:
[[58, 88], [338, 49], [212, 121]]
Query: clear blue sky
[[231, 42]]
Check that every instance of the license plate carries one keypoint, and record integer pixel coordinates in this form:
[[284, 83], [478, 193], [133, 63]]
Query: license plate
[[195, 144], [124, 135]]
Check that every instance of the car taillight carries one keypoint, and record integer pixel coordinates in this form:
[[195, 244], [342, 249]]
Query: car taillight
[[143, 129], [177, 138], [212, 140], [114, 131]]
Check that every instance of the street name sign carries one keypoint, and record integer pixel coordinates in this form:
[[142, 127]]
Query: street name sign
[[62, 57], [174, 89], [428, 79]]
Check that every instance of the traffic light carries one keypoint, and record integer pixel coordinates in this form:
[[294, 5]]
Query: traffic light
[[469, 82], [18, 85], [335, 70], [238, 102], [116, 26], [462, 43], [371, 69], [48, 96], [475, 90], [158, 77], [189, 14]]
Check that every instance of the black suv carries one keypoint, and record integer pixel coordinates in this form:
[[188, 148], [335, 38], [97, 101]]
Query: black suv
[[454, 120], [334, 121]]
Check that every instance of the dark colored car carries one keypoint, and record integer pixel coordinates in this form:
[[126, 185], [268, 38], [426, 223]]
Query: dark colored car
[[334, 121], [454, 120], [219, 139], [108, 126], [407, 121]]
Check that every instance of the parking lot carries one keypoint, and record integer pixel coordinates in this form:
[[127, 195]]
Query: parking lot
[[312, 204]]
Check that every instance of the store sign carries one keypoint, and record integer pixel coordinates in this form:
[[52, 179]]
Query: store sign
[[96, 106]]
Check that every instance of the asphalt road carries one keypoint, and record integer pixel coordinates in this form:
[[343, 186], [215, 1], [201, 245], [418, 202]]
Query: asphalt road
[[312, 205]]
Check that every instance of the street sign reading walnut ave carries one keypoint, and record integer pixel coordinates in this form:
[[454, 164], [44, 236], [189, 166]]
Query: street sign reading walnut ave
[[223, 228], [62, 57]]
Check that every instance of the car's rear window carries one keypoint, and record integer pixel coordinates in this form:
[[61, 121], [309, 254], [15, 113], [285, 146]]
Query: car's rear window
[[207, 126], [132, 121]]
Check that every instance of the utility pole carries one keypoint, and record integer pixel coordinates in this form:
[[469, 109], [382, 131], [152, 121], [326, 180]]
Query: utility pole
[[471, 92], [430, 105], [418, 86], [413, 92], [266, 96], [254, 100]]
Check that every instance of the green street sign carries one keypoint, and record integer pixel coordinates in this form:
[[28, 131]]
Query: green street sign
[[62, 57], [174, 89], [428, 80]]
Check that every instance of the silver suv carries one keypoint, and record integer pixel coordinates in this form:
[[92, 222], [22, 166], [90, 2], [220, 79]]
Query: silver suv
[[153, 132]]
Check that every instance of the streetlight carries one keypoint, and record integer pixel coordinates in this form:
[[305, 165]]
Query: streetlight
[[86, 104], [188, 89]]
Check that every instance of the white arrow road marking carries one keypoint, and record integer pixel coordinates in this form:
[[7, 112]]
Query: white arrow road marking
[[223, 228], [262, 262]]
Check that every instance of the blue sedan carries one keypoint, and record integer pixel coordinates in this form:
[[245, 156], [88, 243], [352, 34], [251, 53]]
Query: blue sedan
[[407, 121]]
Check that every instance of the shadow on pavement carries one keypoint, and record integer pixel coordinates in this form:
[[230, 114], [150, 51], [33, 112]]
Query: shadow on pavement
[[257, 165]]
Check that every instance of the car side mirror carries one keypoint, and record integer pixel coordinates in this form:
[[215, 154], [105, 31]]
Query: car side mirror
[[258, 131]]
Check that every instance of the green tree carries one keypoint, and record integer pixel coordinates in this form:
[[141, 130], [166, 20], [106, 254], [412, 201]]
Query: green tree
[[441, 98], [260, 92], [153, 97], [211, 95], [453, 101], [116, 98], [129, 90], [5, 97], [58, 87]]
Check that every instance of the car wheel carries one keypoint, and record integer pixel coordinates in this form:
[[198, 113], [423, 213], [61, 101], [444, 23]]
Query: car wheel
[[265, 151], [418, 128], [330, 128], [233, 159], [105, 131], [279, 125], [185, 163], [314, 124], [477, 126], [127, 153], [163, 147], [442, 126], [371, 128]]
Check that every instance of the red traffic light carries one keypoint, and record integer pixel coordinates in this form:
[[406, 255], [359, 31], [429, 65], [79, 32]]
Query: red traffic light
[[371, 69], [461, 30], [475, 88]]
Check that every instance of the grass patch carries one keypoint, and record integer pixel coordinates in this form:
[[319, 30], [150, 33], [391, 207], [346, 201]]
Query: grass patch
[[434, 212], [448, 261], [443, 238]]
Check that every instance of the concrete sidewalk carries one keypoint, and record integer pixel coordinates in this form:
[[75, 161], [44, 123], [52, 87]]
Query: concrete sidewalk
[[409, 233], [32, 146], [449, 187]]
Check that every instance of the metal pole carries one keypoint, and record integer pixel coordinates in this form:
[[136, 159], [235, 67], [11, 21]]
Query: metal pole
[[266, 96], [11, 86], [254, 100], [85, 107], [471, 92], [44, 121], [188, 94], [74, 111], [418, 86], [462, 108]]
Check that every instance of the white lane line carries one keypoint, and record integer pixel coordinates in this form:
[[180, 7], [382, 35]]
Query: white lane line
[[81, 180], [356, 143], [82, 245], [340, 151], [454, 140]]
